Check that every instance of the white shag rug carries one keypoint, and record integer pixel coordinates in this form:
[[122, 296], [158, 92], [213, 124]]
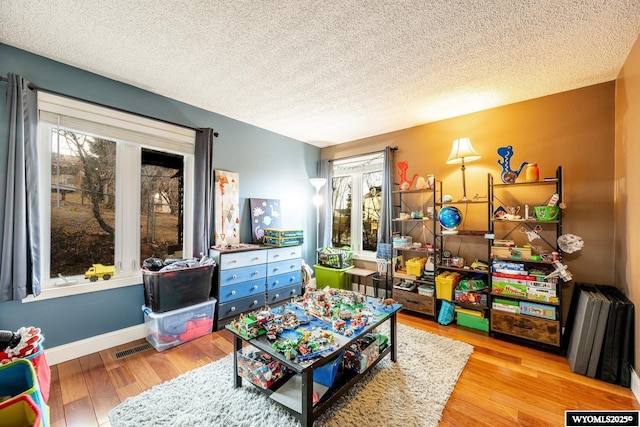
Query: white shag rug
[[411, 392]]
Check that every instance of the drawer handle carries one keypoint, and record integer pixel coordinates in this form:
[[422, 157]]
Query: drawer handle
[[292, 253], [233, 261], [233, 309], [293, 278], [256, 272], [293, 292], [276, 269], [276, 256], [277, 295], [234, 277], [255, 286], [256, 258], [277, 282], [521, 326], [233, 292], [293, 266], [255, 302]]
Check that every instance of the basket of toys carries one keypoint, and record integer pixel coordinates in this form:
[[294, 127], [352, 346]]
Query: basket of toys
[[335, 257]]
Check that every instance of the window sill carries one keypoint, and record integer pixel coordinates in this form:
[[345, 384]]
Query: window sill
[[83, 288]]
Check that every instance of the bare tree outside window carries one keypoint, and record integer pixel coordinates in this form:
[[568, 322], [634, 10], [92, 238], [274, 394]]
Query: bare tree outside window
[[82, 202]]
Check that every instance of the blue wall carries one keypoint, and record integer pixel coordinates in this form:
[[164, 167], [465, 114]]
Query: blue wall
[[270, 166]]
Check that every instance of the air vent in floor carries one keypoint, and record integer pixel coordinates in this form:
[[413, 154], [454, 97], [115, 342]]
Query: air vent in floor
[[131, 351]]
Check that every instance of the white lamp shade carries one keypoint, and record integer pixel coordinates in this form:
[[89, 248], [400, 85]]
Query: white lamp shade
[[462, 150], [318, 183]]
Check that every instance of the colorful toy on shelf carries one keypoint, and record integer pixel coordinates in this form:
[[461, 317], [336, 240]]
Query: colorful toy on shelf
[[405, 184], [508, 175]]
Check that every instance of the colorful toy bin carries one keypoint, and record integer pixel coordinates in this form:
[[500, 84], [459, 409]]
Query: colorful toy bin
[[18, 378], [20, 411]]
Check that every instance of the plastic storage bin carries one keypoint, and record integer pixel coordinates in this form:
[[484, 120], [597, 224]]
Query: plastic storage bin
[[335, 257], [260, 368], [332, 277], [170, 290], [445, 284], [171, 328], [20, 411], [326, 374]]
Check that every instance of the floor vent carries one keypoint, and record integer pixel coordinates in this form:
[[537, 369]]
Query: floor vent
[[131, 351]]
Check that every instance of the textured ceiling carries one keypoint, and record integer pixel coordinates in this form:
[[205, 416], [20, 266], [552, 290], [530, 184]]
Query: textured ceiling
[[327, 72]]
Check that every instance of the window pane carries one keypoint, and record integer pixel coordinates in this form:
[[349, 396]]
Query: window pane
[[161, 209], [341, 211], [82, 202], [371, 187]]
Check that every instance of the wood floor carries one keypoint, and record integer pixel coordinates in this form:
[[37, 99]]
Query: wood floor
[[503, 384]]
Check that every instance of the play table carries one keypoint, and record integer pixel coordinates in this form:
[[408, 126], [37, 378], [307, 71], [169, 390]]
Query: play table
[[295, 391]]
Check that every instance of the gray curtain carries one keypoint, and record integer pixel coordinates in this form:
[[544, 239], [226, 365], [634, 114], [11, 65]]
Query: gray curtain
[[204, 188], [21, 252], [325, 170], [386, 198]]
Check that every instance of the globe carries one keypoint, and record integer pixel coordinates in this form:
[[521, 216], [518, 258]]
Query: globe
[[450, 217]]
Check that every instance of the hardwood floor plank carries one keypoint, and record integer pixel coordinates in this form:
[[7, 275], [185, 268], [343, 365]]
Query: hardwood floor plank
[[103, 393], [163, 368], [79, 413], [72, 383], [56, 407]]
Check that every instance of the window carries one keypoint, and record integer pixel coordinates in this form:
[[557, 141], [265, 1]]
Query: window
[[117, 191], [356, 188]]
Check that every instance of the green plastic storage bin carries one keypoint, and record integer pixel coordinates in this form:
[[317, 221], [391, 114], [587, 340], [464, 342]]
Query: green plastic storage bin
[[474, 322], [332, 277]]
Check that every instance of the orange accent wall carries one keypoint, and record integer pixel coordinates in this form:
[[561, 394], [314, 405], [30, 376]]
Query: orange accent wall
[[627, 179], [573, 129]]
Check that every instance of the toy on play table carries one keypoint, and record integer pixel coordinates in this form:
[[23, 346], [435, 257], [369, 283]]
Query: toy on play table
[[387, 302]]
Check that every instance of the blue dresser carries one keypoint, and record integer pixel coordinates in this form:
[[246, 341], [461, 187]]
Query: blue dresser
[[247, 280]]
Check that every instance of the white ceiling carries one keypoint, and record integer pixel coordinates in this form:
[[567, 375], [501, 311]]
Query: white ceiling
[[327, 72]]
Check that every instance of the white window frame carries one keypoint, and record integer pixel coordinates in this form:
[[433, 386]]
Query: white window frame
[[355, 167], [131, 133]]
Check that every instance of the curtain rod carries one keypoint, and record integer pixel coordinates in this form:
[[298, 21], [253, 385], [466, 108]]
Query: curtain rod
[[122, 110], [362, 154]]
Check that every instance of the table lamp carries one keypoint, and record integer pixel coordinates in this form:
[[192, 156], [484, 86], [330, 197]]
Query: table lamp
[[462, 151]]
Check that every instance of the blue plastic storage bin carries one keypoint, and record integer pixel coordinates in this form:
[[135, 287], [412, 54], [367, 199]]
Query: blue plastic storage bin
[[326, 374]]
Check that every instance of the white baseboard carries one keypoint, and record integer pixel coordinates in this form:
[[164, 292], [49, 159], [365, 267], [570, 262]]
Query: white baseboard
[[73, 350], [635, 384]]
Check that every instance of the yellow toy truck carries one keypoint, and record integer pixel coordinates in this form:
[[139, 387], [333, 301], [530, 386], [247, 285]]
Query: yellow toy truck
[[97, 271]]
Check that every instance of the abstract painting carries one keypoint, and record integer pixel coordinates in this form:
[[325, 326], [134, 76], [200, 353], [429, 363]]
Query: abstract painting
[[227, 208], [265, 213]]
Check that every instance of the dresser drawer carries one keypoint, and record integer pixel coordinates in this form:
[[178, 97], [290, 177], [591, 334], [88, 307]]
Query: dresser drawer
[[283, 280], [241, 290], [244, 274], [242, 259], [415, 302], [235, 307], [281, 267], [283, 293], [281, 254], [523, 326]]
